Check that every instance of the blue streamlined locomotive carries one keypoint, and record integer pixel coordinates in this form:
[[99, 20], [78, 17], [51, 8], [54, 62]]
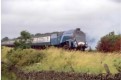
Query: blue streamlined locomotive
[[72, 39]]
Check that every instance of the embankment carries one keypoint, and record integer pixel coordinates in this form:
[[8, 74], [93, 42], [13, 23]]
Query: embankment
[[51, 75]]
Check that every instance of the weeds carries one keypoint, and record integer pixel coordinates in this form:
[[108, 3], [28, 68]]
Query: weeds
[[24, 57], [117, 64], [54, 59]]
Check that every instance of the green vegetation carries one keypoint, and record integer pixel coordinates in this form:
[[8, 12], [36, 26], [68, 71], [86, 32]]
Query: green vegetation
[[117, 64], [24, 57], [54, 59], [6, 74], [24, 41], [4, 52]]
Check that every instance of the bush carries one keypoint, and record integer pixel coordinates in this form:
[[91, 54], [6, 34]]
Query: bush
[[6, 74], [117, 64], [109, 43], [24, 57], [24, 41]]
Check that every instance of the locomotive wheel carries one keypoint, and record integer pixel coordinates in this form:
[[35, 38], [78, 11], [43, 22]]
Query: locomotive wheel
[[83, 48], [66, 46]]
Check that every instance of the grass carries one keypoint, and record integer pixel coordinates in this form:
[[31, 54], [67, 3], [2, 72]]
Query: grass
[[4, 51], [8, 77], [4, 77], [70, 61]]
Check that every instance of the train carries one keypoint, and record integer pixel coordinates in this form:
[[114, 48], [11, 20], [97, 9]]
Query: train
[[71, 39]]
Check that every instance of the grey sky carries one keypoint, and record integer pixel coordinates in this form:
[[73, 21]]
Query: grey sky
[[95, 17]]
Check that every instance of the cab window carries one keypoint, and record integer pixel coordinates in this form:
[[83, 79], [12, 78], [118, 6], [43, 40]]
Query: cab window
[[66, 38]]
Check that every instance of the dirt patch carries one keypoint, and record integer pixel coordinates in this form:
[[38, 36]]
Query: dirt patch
[[51, 75]]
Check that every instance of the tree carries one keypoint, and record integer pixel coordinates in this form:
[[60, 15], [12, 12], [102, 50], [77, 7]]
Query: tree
[[24, 41], [118, 43], [109, 43], [5, 39], [38, 34]]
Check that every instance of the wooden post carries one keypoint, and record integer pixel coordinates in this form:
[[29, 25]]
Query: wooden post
[[107, 68]]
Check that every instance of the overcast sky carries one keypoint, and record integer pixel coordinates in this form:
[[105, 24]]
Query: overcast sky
[[95, 17]]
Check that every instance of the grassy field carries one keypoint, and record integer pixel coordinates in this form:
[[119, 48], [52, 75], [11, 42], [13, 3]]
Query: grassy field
[[54, 59]]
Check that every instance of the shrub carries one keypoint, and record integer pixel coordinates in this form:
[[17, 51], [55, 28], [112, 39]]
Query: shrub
[[117, 64], [109, 43], [24, 41], [24, 57], [6, 74]]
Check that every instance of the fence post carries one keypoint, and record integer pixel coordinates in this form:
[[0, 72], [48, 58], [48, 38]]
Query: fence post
[[107, 68]]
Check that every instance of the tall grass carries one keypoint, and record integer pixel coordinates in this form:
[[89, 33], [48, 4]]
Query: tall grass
[[76, 61], [67, 61], [4, 51]]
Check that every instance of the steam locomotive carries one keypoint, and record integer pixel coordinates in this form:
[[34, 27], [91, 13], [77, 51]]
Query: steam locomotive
[[71, 39]]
